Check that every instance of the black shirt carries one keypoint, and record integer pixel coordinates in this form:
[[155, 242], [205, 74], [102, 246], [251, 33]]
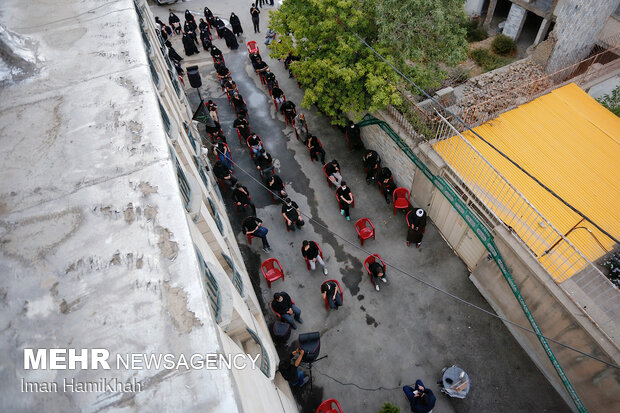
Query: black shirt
[[220, 170], [270, 77], [251, 223], [375, 268], [237, 100], [254, 12], [281, 307], [288, 106], [312, 252], [253, 140], [331, 168], [264, 161], [290, 373], [276, 92], [313, 141], [290, 211], [277, 184], [371, 157], [344, 193], [260, 65], [328, 288], [240, 196], [385, 173]]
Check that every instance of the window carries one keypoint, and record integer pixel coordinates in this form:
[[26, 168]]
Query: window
[[201, 171], [216, 216], [236, 278], [146, 41], [164, 117], [264, 357], [213, 290], [175, 83], [186, 192], [192, 141], [139, 13], [153, 71]]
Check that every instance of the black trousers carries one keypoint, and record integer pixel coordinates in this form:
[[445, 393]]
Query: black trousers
[[345, 207], [255, 23], [317, 152]]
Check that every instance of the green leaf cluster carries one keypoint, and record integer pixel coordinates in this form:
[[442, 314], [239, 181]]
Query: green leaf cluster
[[611, 101], [389, 408], [340, 74], [488, 60]]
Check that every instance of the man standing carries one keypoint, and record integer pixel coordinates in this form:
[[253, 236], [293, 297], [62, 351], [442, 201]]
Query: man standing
[[372, 162], [292, 215], [284, 306], [345, 199], [310, 250], [254, 12]]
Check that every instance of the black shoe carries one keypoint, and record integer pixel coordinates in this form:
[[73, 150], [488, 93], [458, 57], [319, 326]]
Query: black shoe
[[387, 201]]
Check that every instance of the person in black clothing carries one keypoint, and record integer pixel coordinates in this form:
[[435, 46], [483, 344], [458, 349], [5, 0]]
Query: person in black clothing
[[345, 199], [255, 59], [219, 26], [416, 225], [179, 68], [202, 25], [332, 169], [222, 172], [264, 164], [270, 78], [286, 308], [174, 22], [288, 110], [209, 15], [205, 38], [235, 23], [237, 101], [242, 198], [277, 94], [421, 399], [353, 134], [378, 273], [222, 72], [275, 185], [243, 126], [254, 12], [216, 53], [172, 54], [230, 38], [372, 162], [189, 27], [189, 45], [331, 292], [292, 215], [252, 226], [310, 250], [189, 17], [386, 181], [316, 150], [288, 369], [260, 66]]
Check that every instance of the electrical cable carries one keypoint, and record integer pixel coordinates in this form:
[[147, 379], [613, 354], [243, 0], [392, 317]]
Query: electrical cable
[[558, 197], [356, 385], [428, 284]]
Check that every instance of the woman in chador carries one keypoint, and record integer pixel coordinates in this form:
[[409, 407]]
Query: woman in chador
[[416, 225]]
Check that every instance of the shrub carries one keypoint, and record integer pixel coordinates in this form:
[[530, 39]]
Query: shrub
[[389, 408], [487, 60], [612, 101], [503, 45], [612, 267], [475, 32]]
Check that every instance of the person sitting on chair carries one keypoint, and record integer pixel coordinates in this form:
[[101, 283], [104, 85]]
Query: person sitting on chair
[[301, 127], [255, 143], [332, 169], [275, 185], [316, 150], [277, 94], [225, 174], [385, 179], [212, 108], [223, 74], [310, 250], [345, 199], [372, 162], [260, 66], [222, 152], [230, 87], [252, 226], [288, 110], [292, 215], [421, 399], [237, 101], [216, 53], [331, 292], [269, 37], [243, 126], [283, 305], [270, 78], [241, 196], [377, 271], [264, 164], [288, 369]]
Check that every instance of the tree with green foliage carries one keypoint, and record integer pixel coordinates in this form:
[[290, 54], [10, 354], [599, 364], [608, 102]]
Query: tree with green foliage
[[611, 101], [389, 408], [340, 74]]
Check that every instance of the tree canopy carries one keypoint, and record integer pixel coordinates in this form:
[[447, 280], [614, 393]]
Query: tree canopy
[[340, 74]]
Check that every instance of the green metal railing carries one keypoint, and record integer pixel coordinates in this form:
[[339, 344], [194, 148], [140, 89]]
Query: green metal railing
[[484, 235]]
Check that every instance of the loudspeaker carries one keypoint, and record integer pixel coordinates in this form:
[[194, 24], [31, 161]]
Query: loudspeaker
[[194, 76], [311, 344]]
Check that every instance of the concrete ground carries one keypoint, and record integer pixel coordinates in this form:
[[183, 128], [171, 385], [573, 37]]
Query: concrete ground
[[378, 341]]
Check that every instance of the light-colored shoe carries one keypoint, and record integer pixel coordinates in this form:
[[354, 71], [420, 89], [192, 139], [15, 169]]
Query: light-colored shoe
[[377, 287], [325, 270], [342, 212], [384, 279]]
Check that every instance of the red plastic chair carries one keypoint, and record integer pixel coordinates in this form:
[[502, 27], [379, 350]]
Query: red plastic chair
[[245, 105], [308, 261], [329, 182], [338, 198], [295, 129], [275, 312], [244, 205], [249, 236], [222, 184], [252, 47], [269, 89], [286, 117], [365, 229], [239, 134], [328, 407], [369, 260], [272, 270], [250, 148], [400, 198], [339, 289], [346, 135], [310, 150]]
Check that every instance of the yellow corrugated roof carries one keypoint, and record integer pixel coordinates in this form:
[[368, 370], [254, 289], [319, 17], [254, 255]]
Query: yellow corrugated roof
[[571, 143]]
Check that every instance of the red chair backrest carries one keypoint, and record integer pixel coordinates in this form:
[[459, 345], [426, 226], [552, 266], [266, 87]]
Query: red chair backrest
[[247, 141], [401, 193], [274, 311], [372, 258], [252, 47], [363, 223], [328, 407]]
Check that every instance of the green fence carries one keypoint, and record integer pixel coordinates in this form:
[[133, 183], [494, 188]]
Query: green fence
[[484, 235]]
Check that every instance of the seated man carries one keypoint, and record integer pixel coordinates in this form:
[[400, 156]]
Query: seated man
[[269, 36], [372, 162], [310, 250], [292, 215], [288, 110], [284, 306], [222, 172], [378, 273], [243, 126], [255, 143], [259, 66], [332, 169], [288, 369], [277, 94], [241, 196], [331, 292], [223, 74], [421, 399], [316, 150], [255, 59], [230, 87], [264, 164], [301, 127], [386, 181], [270, 78], [254, 226], [275, 185], [212, 108], [345, 199], [237, 101], [222, 152]]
